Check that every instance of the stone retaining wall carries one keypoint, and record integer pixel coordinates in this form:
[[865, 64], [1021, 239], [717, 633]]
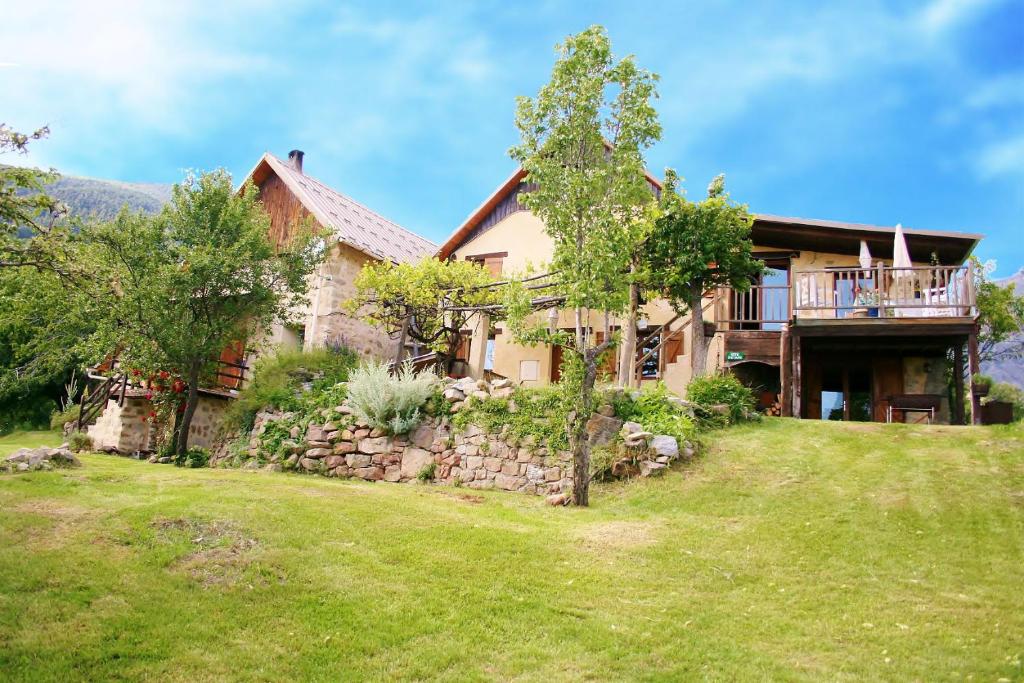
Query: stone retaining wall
[[472, 458]]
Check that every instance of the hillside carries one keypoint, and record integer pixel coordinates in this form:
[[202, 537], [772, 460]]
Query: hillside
[[1011, 370], [788, 551], [97, 199]]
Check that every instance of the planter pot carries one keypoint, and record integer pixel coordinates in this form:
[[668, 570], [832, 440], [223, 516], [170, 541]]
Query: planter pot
[[997, 413], [873, 312], [979, 389]]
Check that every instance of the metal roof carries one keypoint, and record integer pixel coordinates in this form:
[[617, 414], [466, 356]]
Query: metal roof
[[350, 221]]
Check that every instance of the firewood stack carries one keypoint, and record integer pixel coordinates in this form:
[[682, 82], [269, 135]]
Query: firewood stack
[[775, 409]]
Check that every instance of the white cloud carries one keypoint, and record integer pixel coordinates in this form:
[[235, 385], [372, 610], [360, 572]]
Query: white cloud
[[940, 16], [1003, 158]]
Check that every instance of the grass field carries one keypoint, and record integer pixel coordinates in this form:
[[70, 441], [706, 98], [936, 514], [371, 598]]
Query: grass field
[[15, 440], [789, 551]]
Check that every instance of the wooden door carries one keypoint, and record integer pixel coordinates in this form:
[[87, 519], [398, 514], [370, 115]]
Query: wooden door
[[888, 381], [607, 365], [556, 363]]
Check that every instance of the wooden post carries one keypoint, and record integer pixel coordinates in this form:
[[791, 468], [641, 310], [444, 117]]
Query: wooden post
[[974, 366], [797, 379], [958, 383], [478, 346], [880, 288], [786, 372], [971, 303]]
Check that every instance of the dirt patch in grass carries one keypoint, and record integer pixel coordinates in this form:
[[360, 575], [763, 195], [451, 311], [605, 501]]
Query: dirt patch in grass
[[66, 521], [464, 497], [222, 555], [618, 535]]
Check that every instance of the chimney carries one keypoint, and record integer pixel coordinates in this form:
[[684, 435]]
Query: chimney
[[295, 159]]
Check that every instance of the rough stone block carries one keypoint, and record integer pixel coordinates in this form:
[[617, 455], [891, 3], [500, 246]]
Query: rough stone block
[[318, 452], [374, 445], [492, 464], [414, 460], [358, 460]]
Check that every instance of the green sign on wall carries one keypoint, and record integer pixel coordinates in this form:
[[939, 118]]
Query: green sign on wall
[[735, 355]]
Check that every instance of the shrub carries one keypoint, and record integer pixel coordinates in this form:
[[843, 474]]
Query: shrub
[[390, 402], [724, 390], [80, 441], [540, 413], [1008, 393], [277, 382], [653, 410], [426, 475], [193, 457], [59, 418]]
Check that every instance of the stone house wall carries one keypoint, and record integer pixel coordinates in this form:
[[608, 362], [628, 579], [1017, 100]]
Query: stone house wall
[[122, 429]]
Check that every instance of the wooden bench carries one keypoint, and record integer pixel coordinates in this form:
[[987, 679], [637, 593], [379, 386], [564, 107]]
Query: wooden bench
[[914, 403]]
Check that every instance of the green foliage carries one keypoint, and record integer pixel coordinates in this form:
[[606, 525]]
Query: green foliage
[[981, 379], [180, 287], [540, 413], [390, 402], [278, 378], [723, 389], [655, 412], [59, 418], [25, 207], [424, 293], [194, 456], [426, 474], [80, 441], [695, 247], [1000, 317], [1008, 393]]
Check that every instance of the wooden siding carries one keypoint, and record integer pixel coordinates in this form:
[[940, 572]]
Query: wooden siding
[[285, 210], [759, 346], [509, 205]]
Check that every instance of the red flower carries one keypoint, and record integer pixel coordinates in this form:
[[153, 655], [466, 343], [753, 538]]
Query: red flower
[[152, 413], [164, 374], [179, 386], [149, 395], [181, 407], [136, 372]]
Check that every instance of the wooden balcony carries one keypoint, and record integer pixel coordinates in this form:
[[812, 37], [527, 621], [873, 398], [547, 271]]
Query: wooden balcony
[[829, 295]]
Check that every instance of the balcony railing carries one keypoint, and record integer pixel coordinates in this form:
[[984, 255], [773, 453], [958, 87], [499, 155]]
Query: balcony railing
[[838, 293], [884, 292]]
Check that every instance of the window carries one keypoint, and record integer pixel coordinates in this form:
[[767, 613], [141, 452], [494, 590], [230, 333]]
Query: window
[[492, 262]]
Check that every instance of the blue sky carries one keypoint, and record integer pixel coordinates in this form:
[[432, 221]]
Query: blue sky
[[862, 111]]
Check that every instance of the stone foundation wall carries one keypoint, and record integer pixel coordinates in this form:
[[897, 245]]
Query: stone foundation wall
[[122, 429], [472, 458]]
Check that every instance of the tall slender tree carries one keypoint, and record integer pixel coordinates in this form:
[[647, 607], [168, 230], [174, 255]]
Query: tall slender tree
[[582, 144]]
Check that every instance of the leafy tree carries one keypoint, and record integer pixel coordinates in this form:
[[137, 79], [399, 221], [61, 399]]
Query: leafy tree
[[181, 286], [1000, 317], [582, 143], [695, 247], [25, 206], [430, 302]]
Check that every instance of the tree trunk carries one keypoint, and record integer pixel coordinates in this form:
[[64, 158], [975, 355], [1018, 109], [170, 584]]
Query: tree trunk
[[191, 401], [578, 440], [698, 344], [627, 359], [402, 335]]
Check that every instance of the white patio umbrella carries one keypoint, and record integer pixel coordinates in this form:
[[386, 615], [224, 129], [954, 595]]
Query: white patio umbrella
[[865, 256], [901, 265]]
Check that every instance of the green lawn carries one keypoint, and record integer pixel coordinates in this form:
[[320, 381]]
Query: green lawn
[[16, 440], [790, 550]]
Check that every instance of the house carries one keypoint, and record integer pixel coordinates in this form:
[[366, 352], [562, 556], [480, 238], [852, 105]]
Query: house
[[817, 336], [357, 235]]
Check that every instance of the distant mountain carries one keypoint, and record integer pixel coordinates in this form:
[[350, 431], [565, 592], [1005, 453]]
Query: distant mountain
[[102, 199], [1011, 370], [96, 199]]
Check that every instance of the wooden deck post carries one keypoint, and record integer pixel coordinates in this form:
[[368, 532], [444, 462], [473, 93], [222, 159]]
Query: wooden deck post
[[786, 372], [796, 376], [974, 366], [958, 383]]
